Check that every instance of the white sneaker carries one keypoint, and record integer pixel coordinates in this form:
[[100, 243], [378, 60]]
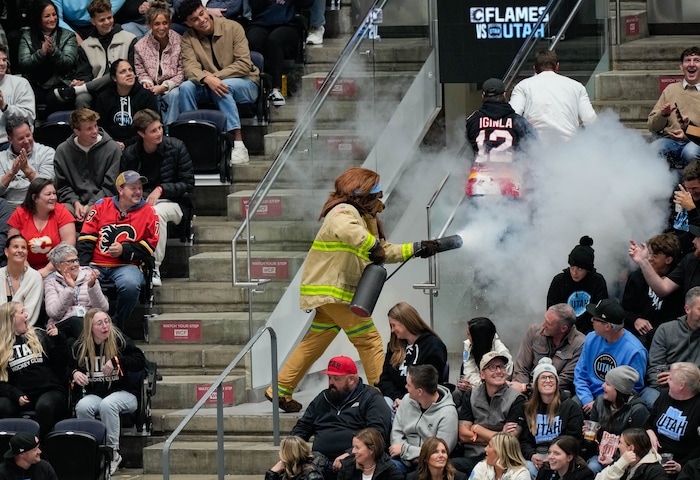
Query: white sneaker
[[114, 464], [277, 99], [155, 280], [239, 155], [316, 35]]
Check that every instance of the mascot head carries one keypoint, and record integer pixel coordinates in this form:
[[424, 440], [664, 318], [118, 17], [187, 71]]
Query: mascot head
[[359, 187]]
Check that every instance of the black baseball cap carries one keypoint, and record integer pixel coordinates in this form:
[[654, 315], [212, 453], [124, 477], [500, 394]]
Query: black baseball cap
[[608, 310], [493, 87]]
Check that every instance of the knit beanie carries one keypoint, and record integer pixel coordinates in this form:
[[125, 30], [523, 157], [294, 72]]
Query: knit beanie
[[582, 255], [622, 378], [544, 365]]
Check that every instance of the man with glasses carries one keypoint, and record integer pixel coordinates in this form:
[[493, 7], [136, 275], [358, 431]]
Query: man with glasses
[[608, 346], [491, 407], [16, 97]]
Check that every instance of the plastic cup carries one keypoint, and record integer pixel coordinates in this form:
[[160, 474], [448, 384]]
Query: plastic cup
[[590, 429]]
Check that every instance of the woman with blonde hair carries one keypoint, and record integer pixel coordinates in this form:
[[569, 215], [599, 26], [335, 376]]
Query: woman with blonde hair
[[434, 462], [504, 460], [412, 342], [103, 359], [295, 462], [32, 368], [369, 459]]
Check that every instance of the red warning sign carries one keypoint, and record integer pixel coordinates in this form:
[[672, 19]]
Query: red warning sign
[[227, 389], [181, 331]]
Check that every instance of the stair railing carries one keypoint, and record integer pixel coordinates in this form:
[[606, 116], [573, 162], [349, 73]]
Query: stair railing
[[217, 387]]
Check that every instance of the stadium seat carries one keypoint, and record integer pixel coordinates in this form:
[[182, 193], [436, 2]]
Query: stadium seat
[[77, 450], [10, 426]]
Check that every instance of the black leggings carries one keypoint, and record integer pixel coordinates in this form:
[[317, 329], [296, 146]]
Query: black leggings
[[276, 44], [50, 407]]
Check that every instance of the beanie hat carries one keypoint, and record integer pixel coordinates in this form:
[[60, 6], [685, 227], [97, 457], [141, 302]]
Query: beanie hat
[[622, 378], [544, 365], [582, 255]]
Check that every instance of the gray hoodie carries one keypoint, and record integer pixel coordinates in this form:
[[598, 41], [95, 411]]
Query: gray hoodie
[[673, 342]]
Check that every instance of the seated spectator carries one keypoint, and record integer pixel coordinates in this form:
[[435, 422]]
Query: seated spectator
[[369, 460], [332, 423], [557, 339], [674, 423], [119, 233], [74, 15], [690, 471], [489, 408], [104, 359], [644, 310], [132, 17], [609, 345], [296, 462], [86, 164], [158, 61], [167, 165], [579, 284], [548, 414], [43, 222], [272, 32], [106, 43], [675, 341], [24, 284], [564, 462], [481, 339], [503, 460], [218, 70], [120, 100], [71, 292], [32, 369], [48, 54], [686, 213], [434, 463], [23, 161], [5, 213], [412, 342], [427, 410], [23, 459], [638, 460], [16, 97], [616, 410]]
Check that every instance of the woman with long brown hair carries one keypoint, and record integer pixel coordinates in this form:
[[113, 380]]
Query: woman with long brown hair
[[368, 459], [434, 462]]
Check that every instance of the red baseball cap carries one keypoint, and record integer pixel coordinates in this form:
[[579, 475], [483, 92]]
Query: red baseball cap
[[341, 366]]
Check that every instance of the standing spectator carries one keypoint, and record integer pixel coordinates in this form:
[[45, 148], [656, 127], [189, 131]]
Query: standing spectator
[[165, 162], [434, 462], [71, 292], [48, 54], [33, 369], [552, 103], [24, 161], [638, 460], [296, 462], [104, 360], [427, 410], [412, 342], [24, 285], [644, 310], [678, 102], [23, 460], [218, 69], [43, 222], [558, 339], [158, 61], [106, 43], [119, 101], [118, 234], [481, 339], [503, 460], [369, 460], [16, 97], [86, 164], [548, 414], [579, 285], [563, 462], [609, 345], [272, 32]]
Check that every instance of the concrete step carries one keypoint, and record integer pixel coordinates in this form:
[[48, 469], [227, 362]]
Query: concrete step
[[354, 86], [202, 329], [337, 147], [657, 52], [180, 295], [273, 265], [287, 203], [204, 422], [631, 84], [338, 113], [388, 55], [137, 474], [627, 110], [284, 234], [190, 356], [183, 391]]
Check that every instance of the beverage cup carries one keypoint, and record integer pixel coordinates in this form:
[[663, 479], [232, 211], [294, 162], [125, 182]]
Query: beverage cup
[[590, 429], [665, 458]]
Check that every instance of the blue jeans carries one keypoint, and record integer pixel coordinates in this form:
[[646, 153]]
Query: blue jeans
[[241, 90], [649, 395], [169, 105], [677, 152], [109, 409], [138, 29], [318, 14], [128, 280]]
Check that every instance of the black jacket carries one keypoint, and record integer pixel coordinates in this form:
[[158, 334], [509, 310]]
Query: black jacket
[[385, 470], [173, 172], [116, 117], [39, 471], [510, 128], [563, 288], [580, 472]]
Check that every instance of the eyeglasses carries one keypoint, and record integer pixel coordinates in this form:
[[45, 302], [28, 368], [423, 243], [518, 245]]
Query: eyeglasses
[[71, 260], [547, 378], [493, 368], [101, 323]]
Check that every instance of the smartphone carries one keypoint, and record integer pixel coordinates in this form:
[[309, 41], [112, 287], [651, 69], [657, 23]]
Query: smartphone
[[678, 113]]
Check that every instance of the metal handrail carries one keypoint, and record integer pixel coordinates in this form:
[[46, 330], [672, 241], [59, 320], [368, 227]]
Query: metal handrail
[[218, 387]]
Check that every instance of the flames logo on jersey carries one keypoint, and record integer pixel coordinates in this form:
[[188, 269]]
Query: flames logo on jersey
[[111, 233]]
